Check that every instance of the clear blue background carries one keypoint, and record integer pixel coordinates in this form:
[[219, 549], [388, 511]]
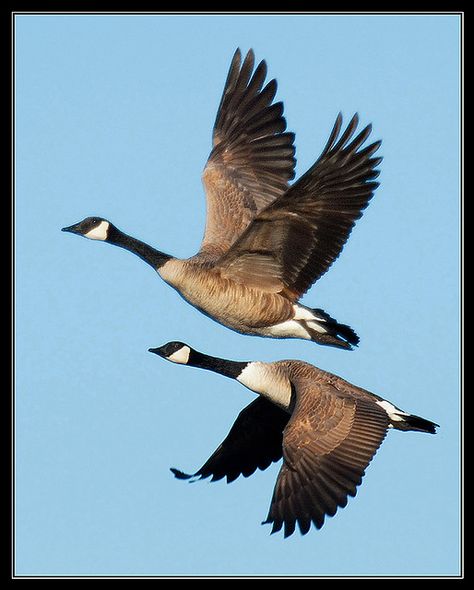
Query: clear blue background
[[113, 118]]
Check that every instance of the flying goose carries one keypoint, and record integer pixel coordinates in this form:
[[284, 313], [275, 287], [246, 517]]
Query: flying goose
[[326, 429], [265, 242]]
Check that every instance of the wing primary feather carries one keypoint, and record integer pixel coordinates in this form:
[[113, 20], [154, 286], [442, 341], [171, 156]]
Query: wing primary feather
[[334, 133], [348, 133], [253, 157]]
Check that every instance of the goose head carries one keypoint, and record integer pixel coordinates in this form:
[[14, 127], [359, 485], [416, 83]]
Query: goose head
[[176, 352], [93, 228]]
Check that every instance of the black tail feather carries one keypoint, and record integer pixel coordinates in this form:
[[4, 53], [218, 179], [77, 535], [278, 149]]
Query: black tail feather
[[336, 329], [411, 422]]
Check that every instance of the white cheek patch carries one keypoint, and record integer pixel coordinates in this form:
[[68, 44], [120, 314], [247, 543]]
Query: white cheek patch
[[181, 356], [99, 232]]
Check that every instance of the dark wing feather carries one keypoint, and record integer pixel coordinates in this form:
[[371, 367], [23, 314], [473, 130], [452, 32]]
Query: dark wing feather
[[253, 156], [296, 238], [254, 441], [327, 445]]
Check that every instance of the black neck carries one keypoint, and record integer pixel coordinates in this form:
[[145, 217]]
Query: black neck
[[153, 257], [227, 368]]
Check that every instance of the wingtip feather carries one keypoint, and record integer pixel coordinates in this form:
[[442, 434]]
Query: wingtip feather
[[180, 474]]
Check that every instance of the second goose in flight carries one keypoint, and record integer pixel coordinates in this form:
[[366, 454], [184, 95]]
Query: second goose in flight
[[265, 242], [326, 429]]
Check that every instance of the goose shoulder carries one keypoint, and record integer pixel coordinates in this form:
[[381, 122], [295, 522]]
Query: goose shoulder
[[304, 373], [178, 271]]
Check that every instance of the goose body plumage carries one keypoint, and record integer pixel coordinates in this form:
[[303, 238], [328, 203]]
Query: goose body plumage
[[325, 429], [265, 241]]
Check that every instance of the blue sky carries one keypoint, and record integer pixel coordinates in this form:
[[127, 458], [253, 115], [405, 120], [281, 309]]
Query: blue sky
[[113, 118]]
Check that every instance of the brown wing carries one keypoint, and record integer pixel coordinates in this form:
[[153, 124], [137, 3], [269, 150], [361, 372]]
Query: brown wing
[[295, 239], [252, 158], [254, 441], [327, 445]]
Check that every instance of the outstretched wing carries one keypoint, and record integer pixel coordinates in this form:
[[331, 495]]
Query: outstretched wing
[[327, 445], [254, 441], [294, 240], [252, 158]]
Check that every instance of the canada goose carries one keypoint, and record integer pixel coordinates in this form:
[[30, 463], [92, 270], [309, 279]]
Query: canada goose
[[326, 429], [265, 242]]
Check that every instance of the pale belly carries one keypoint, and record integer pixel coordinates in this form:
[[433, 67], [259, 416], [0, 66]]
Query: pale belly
[[232, 304]]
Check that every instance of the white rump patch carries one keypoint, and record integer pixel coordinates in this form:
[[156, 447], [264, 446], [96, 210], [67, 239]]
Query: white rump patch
[[304, 313], [181, 356], [307, 315], [315, 326], [393, 412], [99, 232], [288, 329]]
